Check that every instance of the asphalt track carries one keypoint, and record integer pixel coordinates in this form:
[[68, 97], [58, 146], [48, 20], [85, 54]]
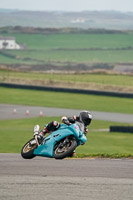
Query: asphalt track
[[68, 179], [7, 112]]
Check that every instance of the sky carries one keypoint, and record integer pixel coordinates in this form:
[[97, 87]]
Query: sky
[[68, 5]]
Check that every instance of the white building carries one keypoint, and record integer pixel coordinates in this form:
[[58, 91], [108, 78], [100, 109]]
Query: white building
[[78, 20], [8, 43]]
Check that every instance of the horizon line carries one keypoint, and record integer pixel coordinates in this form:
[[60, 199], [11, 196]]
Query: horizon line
[[77, 11]]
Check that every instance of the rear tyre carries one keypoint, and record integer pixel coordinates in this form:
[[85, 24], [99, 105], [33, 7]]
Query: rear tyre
[[28, 149], [62, 150]]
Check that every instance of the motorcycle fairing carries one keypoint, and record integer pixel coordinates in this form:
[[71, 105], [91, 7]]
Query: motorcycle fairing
[[46, 148]]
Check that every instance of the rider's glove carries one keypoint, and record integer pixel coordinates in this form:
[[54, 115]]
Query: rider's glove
[[86, 131], [65, 120]]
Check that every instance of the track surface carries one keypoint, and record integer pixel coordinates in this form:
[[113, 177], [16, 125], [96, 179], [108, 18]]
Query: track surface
[[6, 112], [48, 179]]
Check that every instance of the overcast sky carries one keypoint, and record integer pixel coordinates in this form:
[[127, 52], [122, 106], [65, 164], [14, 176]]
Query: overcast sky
[[68, 5]]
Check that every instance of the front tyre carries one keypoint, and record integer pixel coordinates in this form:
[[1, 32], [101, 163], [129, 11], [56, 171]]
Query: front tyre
[[28, 149], [65, 148]]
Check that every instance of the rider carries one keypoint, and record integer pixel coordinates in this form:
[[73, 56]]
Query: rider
[[83, 120]]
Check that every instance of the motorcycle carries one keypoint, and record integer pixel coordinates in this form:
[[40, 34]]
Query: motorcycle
[[59, 144]]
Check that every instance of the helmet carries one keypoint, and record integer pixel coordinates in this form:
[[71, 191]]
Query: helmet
[[85, 117]]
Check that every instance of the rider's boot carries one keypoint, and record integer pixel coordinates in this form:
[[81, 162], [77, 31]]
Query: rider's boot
[[41, 136], [74, 153]]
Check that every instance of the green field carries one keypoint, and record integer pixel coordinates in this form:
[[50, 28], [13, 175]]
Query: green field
[[74, 41], [66, 100], [72, 56], [15, 133], [71, 48]]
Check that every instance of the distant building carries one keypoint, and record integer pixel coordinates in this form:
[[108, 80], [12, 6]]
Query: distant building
[[78, 20], [8, 43]]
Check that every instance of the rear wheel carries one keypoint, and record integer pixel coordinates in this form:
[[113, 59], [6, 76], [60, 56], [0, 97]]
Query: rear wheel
[[65, 148], [28, 149]]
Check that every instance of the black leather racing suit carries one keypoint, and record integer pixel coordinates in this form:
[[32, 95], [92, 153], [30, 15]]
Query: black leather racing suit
[[54, 125]]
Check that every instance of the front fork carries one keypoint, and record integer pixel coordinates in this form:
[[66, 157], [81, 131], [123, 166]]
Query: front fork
[[36, 140]]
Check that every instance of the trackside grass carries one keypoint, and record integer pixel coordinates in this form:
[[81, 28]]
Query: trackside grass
[[95, 78], [66, 100], [15, 133]]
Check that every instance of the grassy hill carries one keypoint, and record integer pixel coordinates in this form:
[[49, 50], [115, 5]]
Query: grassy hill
[[85, 19], [68, 51], [65, 51]]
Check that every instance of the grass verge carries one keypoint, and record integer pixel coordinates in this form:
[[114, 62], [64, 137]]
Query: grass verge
[[90, 78]]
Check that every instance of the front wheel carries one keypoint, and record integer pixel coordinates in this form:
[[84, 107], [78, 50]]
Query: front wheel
[[28, 149], [65, 148]]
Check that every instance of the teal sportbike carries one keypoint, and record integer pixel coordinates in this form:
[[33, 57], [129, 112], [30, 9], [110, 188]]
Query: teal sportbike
[[59, 144]]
